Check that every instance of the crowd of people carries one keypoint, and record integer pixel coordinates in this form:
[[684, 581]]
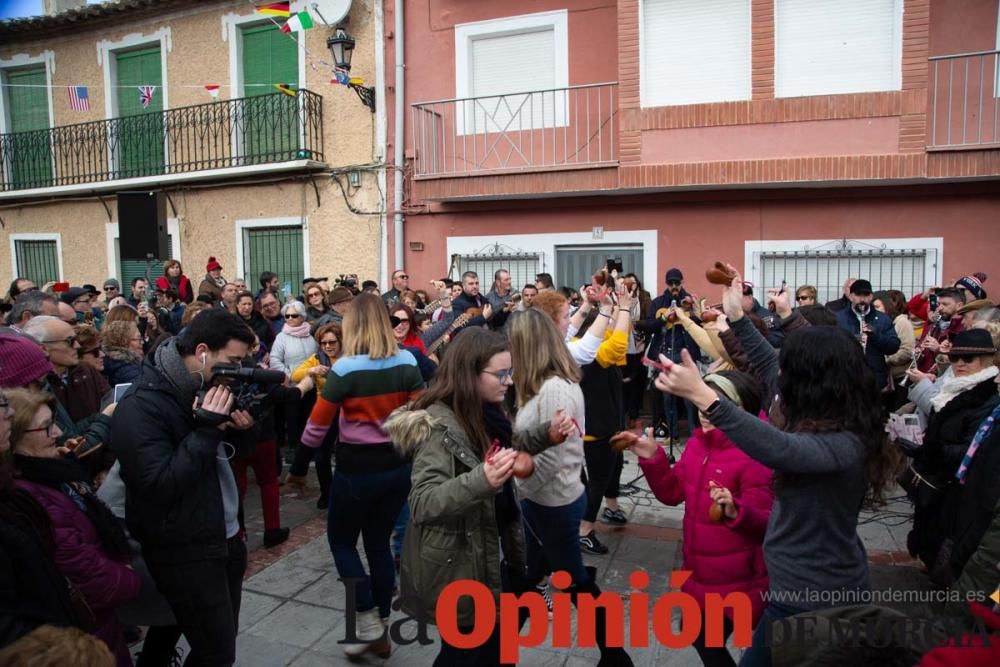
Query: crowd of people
[[470, 435]]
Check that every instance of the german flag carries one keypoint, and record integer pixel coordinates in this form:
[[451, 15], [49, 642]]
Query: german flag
[[275, 9]]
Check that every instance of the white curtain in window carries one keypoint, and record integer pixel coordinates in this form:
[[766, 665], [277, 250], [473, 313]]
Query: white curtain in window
[[825, 47], [694, 51]]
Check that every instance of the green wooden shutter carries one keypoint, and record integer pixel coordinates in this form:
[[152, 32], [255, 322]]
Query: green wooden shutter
[[140, 132], [277, 249], [133, 268], [37, 260], [270, 118], [31, 154]]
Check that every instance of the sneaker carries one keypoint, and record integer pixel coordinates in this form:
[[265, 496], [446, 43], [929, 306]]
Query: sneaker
[[543, 590], [592, 545], [616, 517]]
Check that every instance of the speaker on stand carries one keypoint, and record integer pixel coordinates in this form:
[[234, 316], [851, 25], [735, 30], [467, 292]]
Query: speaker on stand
[[142, 227]]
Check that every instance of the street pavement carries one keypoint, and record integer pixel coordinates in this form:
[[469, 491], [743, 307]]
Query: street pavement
[[293, 605]]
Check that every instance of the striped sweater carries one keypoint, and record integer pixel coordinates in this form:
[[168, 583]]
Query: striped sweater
[[362, 392]]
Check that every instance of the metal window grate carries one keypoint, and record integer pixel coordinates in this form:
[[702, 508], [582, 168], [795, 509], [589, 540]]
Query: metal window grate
[[37, 260], [826, 270], [278, 249], [522, 267]]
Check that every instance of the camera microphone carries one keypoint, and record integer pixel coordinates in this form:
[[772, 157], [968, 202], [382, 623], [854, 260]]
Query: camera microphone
[[257, 375]]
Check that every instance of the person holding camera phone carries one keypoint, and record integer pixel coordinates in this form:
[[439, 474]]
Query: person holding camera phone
[[182, 500]]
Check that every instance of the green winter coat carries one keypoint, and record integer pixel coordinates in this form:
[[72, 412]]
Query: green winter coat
[[452, 532], [981, 573]]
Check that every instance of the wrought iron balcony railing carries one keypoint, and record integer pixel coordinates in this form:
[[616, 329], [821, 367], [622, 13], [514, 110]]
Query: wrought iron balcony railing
[[560, 128], [965, 100], [233, 133]]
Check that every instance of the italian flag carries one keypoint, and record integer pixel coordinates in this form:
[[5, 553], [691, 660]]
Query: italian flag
[[298, 23]]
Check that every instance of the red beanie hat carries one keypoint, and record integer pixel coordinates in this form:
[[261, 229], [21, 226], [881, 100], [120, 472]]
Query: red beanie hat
[[24, 361], [213, 264]]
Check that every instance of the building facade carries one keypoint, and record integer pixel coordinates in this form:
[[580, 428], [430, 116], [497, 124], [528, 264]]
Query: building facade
[[180, 96], [808, 140]]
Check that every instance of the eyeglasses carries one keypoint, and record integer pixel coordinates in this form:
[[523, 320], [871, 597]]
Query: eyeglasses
[[312, 294], [403, 276], [47, 428], [329, 343], [502, 376], [70, 340], [96, 351], [292, 316]]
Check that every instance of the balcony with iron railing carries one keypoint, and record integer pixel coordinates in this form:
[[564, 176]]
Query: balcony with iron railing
[[964, 106], [570, 128], [203, 139]]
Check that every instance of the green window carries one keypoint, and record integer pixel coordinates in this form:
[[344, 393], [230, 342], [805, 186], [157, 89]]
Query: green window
[[37, 260], [135, 268], [277, 249], [31, 155], [269, 118], [140, 131]]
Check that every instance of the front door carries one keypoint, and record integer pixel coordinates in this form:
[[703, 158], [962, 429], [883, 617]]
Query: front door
[[576, 264]]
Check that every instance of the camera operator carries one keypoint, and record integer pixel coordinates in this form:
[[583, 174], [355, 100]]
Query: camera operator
[[181, 496]]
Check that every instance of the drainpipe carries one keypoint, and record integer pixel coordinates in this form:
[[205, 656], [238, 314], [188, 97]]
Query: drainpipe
[[398, 139]]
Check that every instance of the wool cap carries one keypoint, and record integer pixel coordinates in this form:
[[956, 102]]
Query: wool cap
[[974, 284], [339, 295], [674, 274], [23, 361], [861, 286], [213, 264], [72, 294]]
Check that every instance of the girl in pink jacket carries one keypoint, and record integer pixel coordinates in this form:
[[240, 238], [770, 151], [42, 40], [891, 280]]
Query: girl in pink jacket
[[727, 497]]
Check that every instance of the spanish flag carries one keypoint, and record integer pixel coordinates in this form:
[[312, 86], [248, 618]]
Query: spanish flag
[[285, 88], [275, 9]]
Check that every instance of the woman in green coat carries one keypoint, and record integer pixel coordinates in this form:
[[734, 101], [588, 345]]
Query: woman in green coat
[[464, 519]]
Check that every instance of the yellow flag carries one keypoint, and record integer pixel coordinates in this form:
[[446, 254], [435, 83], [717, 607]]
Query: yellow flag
[[357, 81], [284, 87], [996, 596]]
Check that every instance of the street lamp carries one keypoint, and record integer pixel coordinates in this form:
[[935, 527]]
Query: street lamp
[[341, 47]]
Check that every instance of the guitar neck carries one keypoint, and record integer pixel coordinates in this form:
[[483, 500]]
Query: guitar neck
[[459, 322]]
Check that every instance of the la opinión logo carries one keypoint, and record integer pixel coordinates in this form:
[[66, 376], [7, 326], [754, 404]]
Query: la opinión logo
[[614, 606]]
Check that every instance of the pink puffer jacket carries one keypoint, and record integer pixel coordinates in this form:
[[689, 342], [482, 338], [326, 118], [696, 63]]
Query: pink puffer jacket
[[727, 556]]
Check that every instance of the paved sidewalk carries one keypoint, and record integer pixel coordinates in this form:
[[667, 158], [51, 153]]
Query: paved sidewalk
[[293, 605]]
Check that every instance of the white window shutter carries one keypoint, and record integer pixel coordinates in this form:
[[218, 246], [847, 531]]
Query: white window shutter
[[694, 51], [513, 63], [826, 47]]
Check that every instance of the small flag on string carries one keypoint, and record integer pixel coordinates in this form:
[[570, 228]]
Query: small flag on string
[[298, 23], [146, 95], [274, 9], [356, 81], [213, 91], [285, 88], [79, 98], [341, 77]]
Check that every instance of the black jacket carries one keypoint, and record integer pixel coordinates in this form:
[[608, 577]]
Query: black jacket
[[773, 323], [602, 399], [665, 339], [173, 503], [262, 328], [464, 302], [882, 341]]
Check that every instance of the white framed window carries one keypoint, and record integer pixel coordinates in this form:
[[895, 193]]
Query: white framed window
[[516, 68], [827, 47], [693, 51], [276, 244], [909, 265], [37, 256]]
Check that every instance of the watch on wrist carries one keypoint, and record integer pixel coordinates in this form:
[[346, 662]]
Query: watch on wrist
[[713, 407]]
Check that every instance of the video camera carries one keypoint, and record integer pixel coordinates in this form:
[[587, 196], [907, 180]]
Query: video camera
[[245, 384]]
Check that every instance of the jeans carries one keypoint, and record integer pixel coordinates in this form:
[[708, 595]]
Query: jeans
[[322, 455], [552, 539], [759, 653], [205, 598], [367, 504], [264, 472], [399, 530]]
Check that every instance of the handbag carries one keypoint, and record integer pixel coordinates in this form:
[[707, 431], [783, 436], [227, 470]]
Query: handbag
[[920, 489]]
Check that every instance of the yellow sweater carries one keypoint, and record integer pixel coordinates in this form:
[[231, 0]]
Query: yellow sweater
[[300, 373]]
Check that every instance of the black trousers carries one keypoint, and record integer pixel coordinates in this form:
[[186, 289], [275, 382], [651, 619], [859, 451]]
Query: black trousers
[[205, 598], [601, 467], [716, 656]]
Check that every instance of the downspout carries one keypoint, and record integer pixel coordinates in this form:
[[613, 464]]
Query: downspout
[[398, 142], [381, 155]]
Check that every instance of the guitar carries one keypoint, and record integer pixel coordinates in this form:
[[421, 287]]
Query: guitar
[[459, 322]]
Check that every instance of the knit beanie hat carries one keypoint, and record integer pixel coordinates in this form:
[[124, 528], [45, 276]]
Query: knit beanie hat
[[339, 295], [974, 284], [213, 264], [23, 361]]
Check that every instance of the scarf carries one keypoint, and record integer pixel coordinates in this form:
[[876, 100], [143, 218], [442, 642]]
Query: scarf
[[957, 385], [220, 282], [981, 434], [169, 361], [300, 331], [71, 478]]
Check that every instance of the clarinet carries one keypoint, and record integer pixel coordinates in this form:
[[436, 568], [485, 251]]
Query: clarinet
[[861, 311]]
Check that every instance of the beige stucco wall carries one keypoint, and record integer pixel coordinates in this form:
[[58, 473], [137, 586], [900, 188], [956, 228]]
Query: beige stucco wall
[[339, 240]]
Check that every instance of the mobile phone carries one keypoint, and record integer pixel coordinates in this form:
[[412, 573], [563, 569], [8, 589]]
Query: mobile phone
[[932, 301], [615, 264], [119, 391], [60, 287]]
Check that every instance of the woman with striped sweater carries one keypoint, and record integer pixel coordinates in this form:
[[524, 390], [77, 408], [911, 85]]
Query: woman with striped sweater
[[371, 482]]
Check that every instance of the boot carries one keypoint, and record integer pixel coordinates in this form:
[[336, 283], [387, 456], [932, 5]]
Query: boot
[[371, 634], [275, 536], [610, 656], [297, 482]]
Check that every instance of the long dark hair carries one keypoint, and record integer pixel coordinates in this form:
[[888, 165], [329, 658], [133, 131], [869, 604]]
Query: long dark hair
[[456, 381], [826, 385]]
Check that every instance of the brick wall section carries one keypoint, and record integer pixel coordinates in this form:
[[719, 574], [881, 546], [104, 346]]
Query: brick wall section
[[629, 136], [916, 40], [762, 49]]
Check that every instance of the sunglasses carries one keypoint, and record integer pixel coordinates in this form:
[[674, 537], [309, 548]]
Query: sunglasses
[[292, 316], [403, 276], [967, 358], [673, 283], [110, 289], [396, 321], [329, 343], [802, 297]]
